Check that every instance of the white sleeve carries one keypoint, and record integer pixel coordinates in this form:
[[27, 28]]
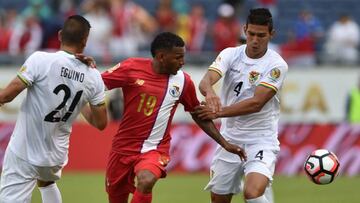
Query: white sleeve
[[29, 71], [98, 97], [222, 61], [274, 77]]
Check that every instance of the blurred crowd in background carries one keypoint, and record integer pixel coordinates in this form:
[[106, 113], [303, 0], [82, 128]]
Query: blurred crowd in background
[[309, 33]]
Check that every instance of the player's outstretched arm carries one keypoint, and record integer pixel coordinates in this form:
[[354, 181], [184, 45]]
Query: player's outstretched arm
[[209, 127], [247, 106], [95, 115], [12, 90]]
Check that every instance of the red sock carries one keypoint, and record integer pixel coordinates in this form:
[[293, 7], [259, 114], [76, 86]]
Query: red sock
[[140, 197]]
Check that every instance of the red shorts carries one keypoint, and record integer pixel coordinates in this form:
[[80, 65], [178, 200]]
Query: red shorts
[[121, 170]]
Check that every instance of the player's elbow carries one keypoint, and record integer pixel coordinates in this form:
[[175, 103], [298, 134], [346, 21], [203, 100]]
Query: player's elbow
[[101, 125]]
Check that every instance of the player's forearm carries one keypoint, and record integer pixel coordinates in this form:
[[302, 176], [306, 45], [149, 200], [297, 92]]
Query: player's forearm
[[205, 86], [244, 107], [90, 117], [5, 96], [210, 129]]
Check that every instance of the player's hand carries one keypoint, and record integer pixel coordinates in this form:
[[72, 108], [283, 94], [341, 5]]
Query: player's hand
[[204, 112], [236, 150], [213, 101], [88, 60]]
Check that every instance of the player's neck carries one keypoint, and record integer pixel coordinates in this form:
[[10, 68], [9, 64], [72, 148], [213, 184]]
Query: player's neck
[[156, 67], [71, 49], [255, 56]]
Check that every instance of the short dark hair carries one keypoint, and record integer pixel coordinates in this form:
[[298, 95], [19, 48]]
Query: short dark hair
[[76, 29], [167, 41], [260, 16]]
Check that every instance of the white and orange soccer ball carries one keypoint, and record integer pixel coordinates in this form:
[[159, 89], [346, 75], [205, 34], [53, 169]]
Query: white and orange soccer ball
[[322, 166]]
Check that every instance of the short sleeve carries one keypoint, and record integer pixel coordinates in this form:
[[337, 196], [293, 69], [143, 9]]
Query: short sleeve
[[188, 97], [29, 71], [274, 78], [222, 62], [116, 76], [98, 97]]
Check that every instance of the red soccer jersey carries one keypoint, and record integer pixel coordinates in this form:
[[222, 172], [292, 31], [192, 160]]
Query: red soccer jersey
[[150, 103]]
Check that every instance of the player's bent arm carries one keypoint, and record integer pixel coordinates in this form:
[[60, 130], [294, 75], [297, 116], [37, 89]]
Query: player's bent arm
[[206, 83], [95, 115], [15, 87], [210, 129], [251, 105]]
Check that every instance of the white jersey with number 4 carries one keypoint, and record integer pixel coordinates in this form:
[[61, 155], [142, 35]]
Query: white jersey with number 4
[[58, 87], [241, 76]]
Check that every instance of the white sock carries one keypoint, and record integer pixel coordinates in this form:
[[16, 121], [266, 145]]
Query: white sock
[[269, 194], [261, 199], [50, 194]]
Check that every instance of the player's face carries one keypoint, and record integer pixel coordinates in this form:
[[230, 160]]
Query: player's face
[[257, 39], [174, 60]]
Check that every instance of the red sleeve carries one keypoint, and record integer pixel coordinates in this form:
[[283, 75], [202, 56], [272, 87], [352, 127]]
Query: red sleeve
[[188, 97], [117, 76]]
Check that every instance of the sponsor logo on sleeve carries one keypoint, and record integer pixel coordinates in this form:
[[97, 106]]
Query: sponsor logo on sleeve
[[275, 73], [22, 69]]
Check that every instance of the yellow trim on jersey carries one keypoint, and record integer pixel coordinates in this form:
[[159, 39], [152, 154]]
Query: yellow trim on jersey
[[216, 70], [23, 79], [269, 86], [101, 103]]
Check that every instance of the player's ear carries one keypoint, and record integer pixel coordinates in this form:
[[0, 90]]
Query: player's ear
[[272, 33], [245, 28], [59, 35]]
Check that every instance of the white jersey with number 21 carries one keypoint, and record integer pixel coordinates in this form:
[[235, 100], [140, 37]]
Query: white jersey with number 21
[[59, 86]]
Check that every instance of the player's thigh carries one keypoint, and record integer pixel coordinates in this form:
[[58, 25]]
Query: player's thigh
[[18, 179], [119, 180], [152, 161], [261, 159], [225, 177]]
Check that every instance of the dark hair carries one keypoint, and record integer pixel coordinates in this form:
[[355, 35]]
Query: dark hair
[[76, 29], [167, 41], [260, 16]]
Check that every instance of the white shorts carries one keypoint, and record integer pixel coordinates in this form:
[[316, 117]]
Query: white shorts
[[18, 178], [226, 175]]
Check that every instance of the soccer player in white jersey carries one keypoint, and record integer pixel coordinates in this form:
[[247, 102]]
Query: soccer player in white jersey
[[59, 87], [249, 111]]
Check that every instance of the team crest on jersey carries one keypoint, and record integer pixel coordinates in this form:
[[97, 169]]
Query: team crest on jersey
[[275, 73], [253, 77], [174, 90]]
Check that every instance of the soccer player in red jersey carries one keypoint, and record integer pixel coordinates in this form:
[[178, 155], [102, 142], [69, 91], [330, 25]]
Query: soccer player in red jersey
[[152, 90]]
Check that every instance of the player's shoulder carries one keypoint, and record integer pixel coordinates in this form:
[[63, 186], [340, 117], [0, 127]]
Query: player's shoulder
[[135, 63], [276, 59], [137, 60], [40, 55]]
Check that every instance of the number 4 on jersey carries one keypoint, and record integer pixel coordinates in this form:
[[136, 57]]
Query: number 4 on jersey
[[260, 155], [238, 88]]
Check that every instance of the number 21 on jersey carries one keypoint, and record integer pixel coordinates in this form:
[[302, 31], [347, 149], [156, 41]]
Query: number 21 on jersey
[[147, 104]]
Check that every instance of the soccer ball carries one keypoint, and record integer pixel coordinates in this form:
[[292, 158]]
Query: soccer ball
[[322, 166]]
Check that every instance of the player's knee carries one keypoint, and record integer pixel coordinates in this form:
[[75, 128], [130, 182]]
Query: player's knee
[[253, 191], [145, 182]]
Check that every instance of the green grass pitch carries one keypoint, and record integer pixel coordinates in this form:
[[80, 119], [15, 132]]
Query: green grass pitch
[[184, 188]]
